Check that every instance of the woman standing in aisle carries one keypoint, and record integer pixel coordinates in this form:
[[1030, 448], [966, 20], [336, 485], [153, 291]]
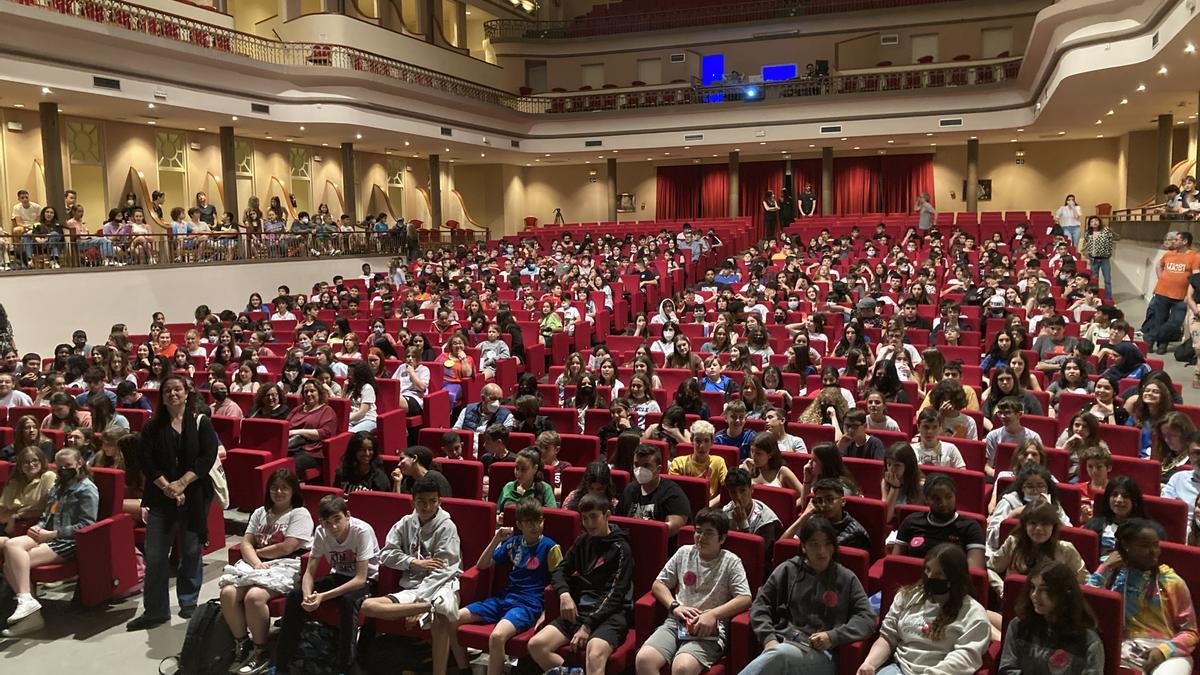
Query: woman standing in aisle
[[1067, 216], [179, 448], [771, 214]]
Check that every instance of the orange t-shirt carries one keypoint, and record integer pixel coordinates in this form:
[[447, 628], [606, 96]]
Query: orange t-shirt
[[1173, 278]]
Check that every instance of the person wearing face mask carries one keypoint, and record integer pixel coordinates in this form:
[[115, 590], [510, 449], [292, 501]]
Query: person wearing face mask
[[933, 626], [225, 406], [666, 313], [479, 416], [1068, 216], [666, 342], [1034, 486], [72, 504], [651, 497]]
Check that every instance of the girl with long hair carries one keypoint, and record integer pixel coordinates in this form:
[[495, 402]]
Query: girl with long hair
[[1054, 630]]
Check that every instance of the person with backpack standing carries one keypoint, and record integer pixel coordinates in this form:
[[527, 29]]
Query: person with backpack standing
[[179, 448]]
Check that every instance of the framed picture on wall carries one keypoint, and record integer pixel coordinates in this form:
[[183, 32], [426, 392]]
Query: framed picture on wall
[[625, 203], [983, 190]]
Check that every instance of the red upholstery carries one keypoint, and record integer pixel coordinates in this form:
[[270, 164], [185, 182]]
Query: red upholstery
[[465, 477], [264, 434]]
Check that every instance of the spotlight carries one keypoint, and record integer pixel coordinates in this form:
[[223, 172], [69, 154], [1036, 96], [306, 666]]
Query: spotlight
[[752, 93]]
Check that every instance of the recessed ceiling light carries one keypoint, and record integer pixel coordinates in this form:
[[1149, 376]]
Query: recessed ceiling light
[[843, 138], [406, 144], [526, 164], [547, 154], [468, 12], [1111, 112], [687, 147], [482, 155], [325, 145], [1020, 130], [1062, 133], [1099, 135], [931, 133], [301, 128], [599, 156], [358, 137], [1123, 101], [1162, 70], [587, 161], [762, 142], [200, 129], [615, 151], [666, 153], [289, 140], [451, 161], [888, 142], [856, 147], [1189, 49], [932, 144], [812, 145], [150, 106], [387, 152], [1012, 140], [783, 152], [151, 122], [234, 118], [648, 159], [268, 135], [1099, 121], [46, 90], [537, 160], [18, 105], [1141, 87], [974, 138], [1192, 116], [737, 149]]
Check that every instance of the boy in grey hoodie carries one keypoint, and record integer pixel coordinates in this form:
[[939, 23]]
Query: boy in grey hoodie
[[809, 606], [425, 549]]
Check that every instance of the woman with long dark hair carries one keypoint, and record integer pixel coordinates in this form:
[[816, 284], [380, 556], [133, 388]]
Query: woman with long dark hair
[[1054, 630], [179, 449], [361, 467], [933, 623], [360, 389], [1122, 501]]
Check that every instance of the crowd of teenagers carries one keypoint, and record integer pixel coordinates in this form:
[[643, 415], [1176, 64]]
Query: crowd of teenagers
[[804, 383]]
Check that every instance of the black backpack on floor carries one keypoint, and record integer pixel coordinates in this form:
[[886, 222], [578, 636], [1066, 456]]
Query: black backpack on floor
[[316, 652], [394, 655], [208, 645]]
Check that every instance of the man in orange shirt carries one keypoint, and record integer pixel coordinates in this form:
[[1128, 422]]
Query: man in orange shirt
[[1165, 313]]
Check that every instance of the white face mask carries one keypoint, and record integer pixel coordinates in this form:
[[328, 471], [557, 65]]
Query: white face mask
[[668, 335], [491, 407], [642, 475], [793, 304]]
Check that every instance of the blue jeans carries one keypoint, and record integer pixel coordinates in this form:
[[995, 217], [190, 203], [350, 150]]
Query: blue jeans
[[53, 246], [161, 528], [1164, 316], [1072, 231], [1103, 266], [788, 658], [101, 243]]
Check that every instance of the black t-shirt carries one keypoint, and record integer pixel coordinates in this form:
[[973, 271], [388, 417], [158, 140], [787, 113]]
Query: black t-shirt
[[920, 535], [488, 459], [920, 323], [807, 200], [375, 479], [667, 499], [851, 533], [871, 449]]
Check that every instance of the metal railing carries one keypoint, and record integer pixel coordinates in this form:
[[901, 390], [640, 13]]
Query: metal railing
[[36, 252], [747, 93], [616, 18], [167, 26]]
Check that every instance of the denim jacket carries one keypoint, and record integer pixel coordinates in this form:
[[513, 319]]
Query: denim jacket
[[67, 513]]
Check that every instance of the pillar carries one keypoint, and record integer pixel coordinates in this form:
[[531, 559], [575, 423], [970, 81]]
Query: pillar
[[435, 191], [612, 189], [349, 192], [431, 20], [734, 184], [460, 25], [1194, 152], [1162, 162], [827, 181], [229, 195], [972, 190], [52, 158]]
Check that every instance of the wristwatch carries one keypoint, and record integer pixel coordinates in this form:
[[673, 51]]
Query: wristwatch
[[675, 604]]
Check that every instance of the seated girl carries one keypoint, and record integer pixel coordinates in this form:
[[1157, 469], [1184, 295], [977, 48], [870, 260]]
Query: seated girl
[[1122, 500], [1054, 630], [25, 493]]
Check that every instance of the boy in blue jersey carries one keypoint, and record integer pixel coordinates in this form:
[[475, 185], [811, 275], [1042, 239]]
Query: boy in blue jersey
[[532, 557], [735, 434]]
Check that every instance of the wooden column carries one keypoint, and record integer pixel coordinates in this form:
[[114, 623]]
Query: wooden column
[[52, 164], [972, 195], [349, 192], [734, 184], [827, 181], [1162, 162]]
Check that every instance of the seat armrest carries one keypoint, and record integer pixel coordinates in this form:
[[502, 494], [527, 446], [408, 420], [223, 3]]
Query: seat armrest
[[333, 449], [107, 560], [743, 645], [648, 614]]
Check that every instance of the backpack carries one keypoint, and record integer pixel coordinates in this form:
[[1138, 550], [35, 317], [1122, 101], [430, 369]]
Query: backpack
[[383, 654], [316, 652], [208, 644]]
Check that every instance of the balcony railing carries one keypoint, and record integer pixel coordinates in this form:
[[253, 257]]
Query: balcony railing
[[55, 252], [316, 55], [924, 78], [617, 18]]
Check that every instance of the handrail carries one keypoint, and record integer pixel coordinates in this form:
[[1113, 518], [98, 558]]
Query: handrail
[[167, 26], [605, 21]]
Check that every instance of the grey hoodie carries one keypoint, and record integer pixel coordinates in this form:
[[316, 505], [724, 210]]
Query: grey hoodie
[[795, 602], [409, 540]]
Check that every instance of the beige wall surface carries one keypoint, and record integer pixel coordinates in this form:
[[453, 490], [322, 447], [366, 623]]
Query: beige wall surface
[[133, 294]]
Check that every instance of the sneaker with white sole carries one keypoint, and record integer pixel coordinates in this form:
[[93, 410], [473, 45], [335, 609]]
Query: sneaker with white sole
[[25, 607], [257, 663]]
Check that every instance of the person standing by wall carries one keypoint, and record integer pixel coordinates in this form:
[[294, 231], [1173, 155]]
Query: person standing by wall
[[179, 449], [925, 212], [770, 214], [1165, 313]]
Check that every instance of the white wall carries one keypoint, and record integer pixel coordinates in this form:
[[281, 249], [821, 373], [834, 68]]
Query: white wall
[[45, 309]]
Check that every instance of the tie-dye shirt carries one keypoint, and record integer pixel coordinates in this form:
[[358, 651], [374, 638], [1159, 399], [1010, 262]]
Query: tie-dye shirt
[[1158, 606]]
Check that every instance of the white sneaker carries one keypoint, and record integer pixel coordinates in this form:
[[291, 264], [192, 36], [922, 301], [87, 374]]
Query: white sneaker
[[25, 607]]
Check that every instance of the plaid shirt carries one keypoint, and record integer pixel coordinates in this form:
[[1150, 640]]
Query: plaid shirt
[[1100, 244]]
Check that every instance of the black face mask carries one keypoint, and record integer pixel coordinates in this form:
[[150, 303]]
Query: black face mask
[[586, 390], [220, 395], [937, 586], [66, 475]]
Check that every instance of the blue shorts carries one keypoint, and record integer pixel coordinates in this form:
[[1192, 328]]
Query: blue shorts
[[518, 611]]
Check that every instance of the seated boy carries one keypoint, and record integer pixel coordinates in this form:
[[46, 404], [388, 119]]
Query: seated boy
[[1009, 410], [703, 586], [701, 464], [350, 547], [532, 558], [828, 500], [452, 445], [492, 446], [595, 591], [548, 445], [424, 547], [736, 434], [749, 515]]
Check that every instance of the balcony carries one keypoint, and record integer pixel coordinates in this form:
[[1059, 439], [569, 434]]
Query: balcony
[[636, 16], [693, 95]]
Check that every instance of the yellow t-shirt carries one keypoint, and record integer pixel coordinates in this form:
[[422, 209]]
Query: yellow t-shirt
[[714, 471]]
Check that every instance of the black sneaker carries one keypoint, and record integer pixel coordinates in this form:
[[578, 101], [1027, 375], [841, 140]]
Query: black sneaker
[[144, 622], [241, 652], [187, 612], [257, 663]]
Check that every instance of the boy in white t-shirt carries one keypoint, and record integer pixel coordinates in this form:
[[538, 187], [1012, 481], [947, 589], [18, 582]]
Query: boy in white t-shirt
[[352, 551]]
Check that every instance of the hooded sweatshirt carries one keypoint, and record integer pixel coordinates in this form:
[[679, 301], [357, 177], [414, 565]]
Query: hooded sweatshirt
[[796, 602], [409, 540], [598, 573]]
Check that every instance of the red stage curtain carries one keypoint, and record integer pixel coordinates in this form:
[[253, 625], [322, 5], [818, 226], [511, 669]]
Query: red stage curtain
[[754, 179], [692, 191], [856, 185], [714, 190], [905, 177], [806, 172], [677, 191]]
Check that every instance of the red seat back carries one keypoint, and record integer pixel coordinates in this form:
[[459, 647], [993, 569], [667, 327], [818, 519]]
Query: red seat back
[[648, 540], [867, 473], [1145, 472], [970, 487], [313, 494], [780, 500], [696, 490], [1172, 514], [432, 439], [111, 485], [464, 475], [573, 476], [266, 435], [872, 514], [853, 559], [579, 450], [381, 510]]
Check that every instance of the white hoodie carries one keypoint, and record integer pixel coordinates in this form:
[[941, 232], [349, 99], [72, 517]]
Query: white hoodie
[[409, 540]]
